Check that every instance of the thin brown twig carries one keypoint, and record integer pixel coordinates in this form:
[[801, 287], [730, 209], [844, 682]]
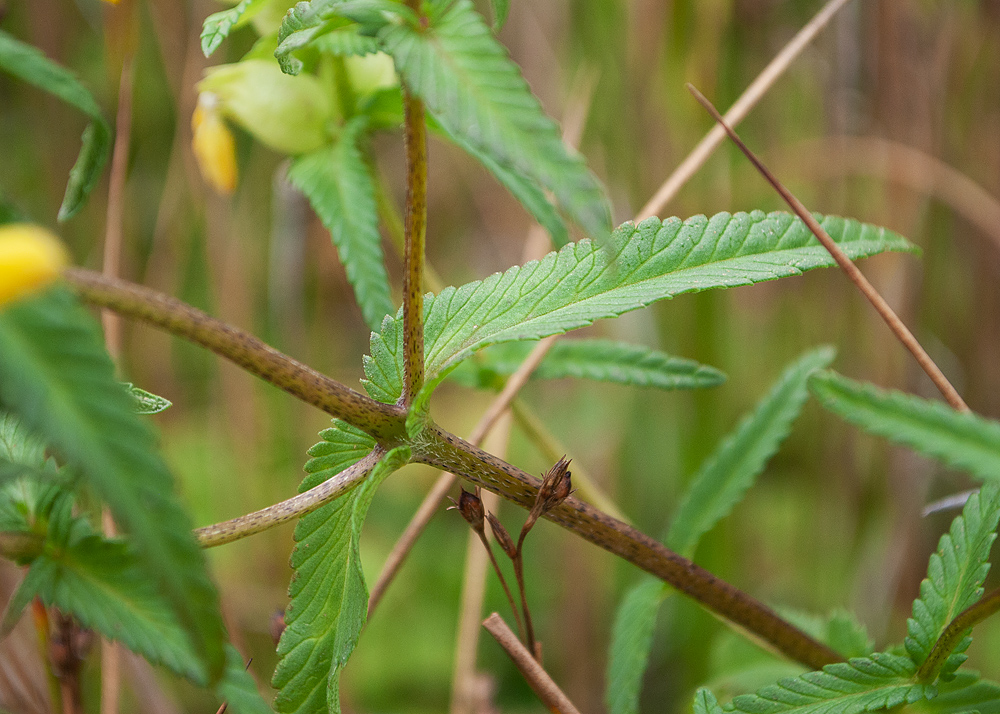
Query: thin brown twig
[[741, 107], [432, 501], [539, 680], [902, 333]]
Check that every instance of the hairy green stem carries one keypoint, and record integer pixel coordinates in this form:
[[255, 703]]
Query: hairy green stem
[[954, 632], [385, 422], [295, 507], [448, 452], [413, 257]]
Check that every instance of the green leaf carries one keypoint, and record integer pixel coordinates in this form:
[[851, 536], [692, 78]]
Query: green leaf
[[30, 65], [881, 681], [329, 597], [600, 360], [346, 41], [725, 477], [963, 440], [218, 25], [706, 703], [631, 642], [955, 574], [966, 693], [500, 10], [339, 186], [146, 402], [719, 485], [476, 92], [56, 376], [585, 281], [103, 584], [238, 689]]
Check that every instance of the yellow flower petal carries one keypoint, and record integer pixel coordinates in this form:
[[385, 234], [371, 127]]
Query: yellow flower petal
[[213, 145], [31, 258]]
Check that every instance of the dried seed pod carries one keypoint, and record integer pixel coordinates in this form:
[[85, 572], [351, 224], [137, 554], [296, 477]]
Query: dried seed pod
[[471, 508], [502, 536], [556, 487]]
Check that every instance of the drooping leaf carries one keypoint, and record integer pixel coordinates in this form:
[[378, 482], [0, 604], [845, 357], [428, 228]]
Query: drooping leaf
[[955, 575], [329, 597], [471, 86], [103, 584], [147, 402], [346, 41], [30, 65], [584, 282], [963, 440], [218, 25], [238, 689], [719, 485], [600, 360], [863, 684], [725, 477], [56, 376], [339, 186]]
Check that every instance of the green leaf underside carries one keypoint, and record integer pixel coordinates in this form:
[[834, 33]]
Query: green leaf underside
[[584, 282], [30, 65], [471, 86], [238, 689], [880, 681], [600, 360], [328, 593], [217, 26], [966, 693], [955, 573], [719, 485], [962, 440], [339, 186], [106, 588], [147, 402], [56, 376]]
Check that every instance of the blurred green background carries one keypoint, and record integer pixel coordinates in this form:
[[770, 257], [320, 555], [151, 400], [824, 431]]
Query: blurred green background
[[834, 521]]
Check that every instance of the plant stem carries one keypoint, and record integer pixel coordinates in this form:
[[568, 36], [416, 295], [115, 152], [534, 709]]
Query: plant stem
[[385, 422], [954, 633], [543, 685], [448, 452], [855, 275], [413, 257], [503, 582], [529, 626], [294, 507]]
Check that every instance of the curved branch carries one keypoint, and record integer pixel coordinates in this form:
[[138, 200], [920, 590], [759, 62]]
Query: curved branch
[[448, 452], [385, 422], [294, 507]]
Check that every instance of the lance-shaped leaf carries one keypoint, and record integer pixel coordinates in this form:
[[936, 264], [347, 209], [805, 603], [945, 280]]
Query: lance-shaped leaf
[[56, 376], [30, 65], [863, 684], [329, 597], [103, 584], [955, 575], [339, 186], [600, 360], [584, 282], [966, 693], [476, 92], [217, 26], [719, 485], [965, 441]]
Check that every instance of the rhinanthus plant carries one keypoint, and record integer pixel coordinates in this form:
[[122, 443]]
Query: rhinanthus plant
[[322, 79]]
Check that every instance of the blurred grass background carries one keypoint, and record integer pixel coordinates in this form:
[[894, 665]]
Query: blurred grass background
[[835, 519]]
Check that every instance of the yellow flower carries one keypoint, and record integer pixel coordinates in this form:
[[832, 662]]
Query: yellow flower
[[213, 144], [31, 258]]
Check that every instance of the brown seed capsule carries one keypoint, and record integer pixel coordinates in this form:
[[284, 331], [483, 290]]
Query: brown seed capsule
[[471, 508], [556, 487], [502, 536]]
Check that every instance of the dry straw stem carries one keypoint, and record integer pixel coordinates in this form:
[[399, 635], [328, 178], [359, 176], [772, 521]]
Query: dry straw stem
[[902, 333], [904, 165], [546, 689], [753, 94]]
